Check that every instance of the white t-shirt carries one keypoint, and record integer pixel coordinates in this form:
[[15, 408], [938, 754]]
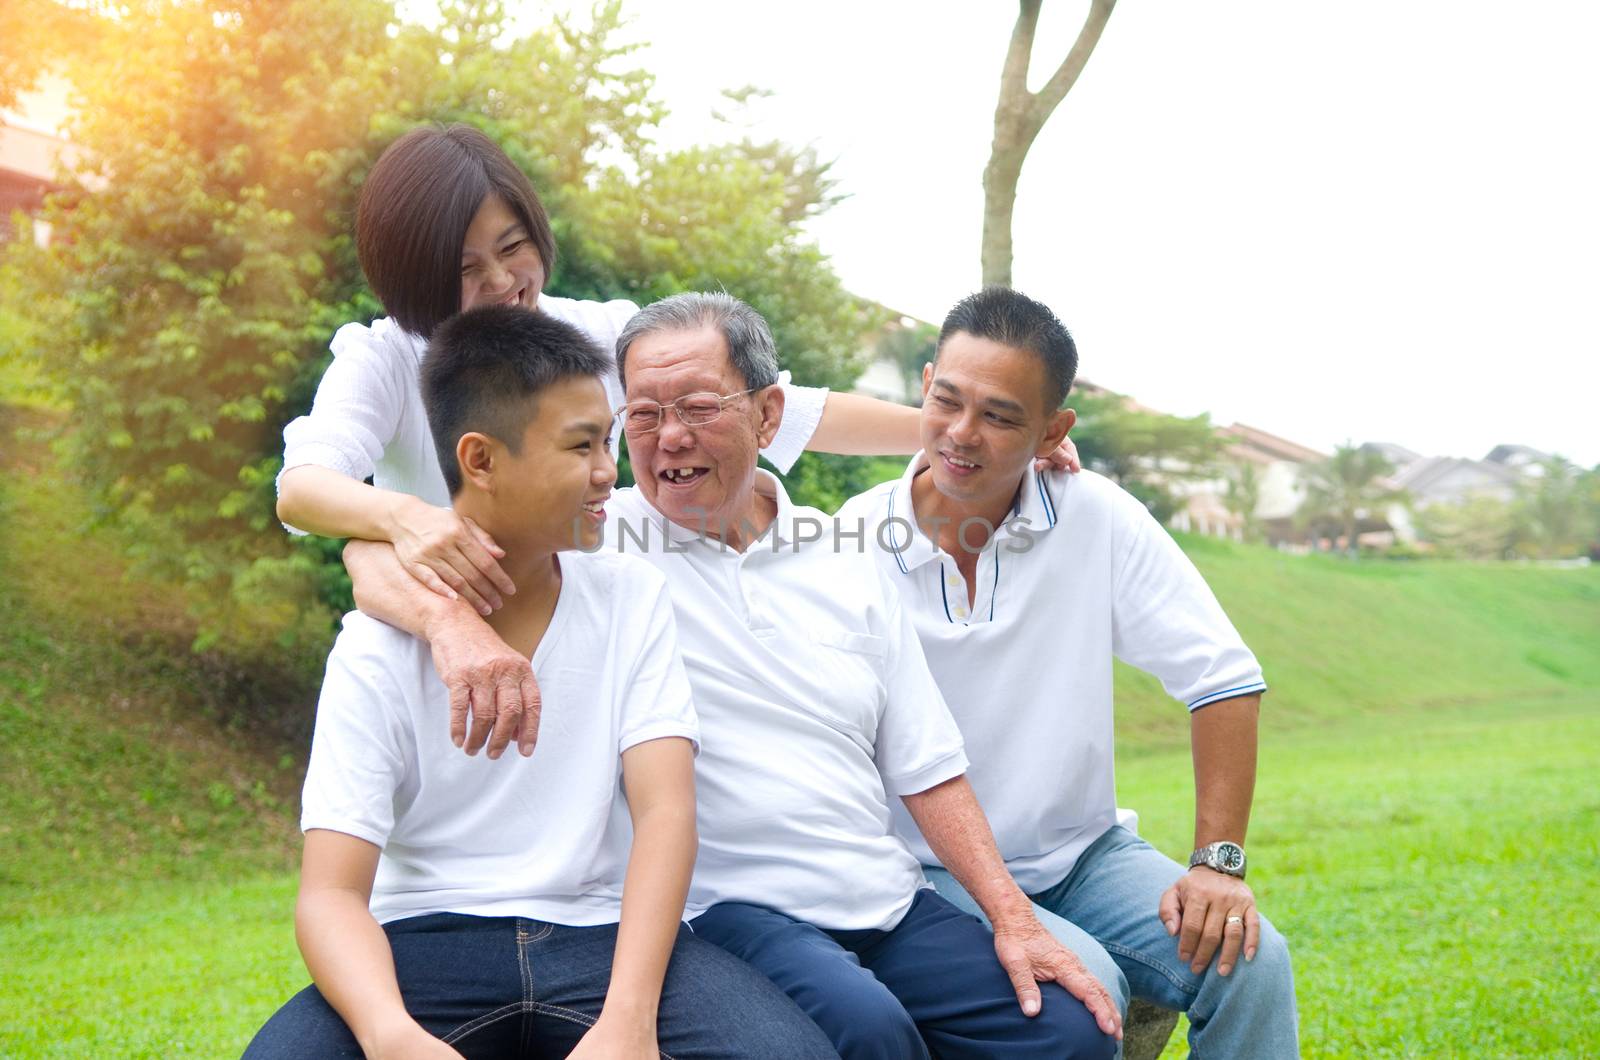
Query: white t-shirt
[[368, 419], [1079, 574], [545, 837], [817, 707]]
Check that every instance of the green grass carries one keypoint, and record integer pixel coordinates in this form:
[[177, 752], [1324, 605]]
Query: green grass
[[1426, 832], [1436, 874]]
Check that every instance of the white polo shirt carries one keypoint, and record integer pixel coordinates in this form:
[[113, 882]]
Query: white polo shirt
[[368, 420], [1080, 573], [545, 837], [816, 709]]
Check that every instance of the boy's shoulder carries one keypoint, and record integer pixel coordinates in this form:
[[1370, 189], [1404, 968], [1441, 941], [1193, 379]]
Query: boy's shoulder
[[619, 580], [373, 648]]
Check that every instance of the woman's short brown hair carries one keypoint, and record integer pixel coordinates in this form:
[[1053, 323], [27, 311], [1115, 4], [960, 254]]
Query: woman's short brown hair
[[416, 205]]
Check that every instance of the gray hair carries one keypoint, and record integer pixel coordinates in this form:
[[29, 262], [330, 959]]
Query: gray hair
[[751, 350]]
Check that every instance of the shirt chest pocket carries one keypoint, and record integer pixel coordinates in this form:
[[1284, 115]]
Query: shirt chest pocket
[[846, 669]]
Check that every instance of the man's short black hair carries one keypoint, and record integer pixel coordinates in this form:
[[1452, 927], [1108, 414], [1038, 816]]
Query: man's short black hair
[[416, 206], [1011, 318], [484, 369]]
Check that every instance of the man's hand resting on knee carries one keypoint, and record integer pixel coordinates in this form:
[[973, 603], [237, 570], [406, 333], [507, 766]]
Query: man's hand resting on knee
[[1213, 914]]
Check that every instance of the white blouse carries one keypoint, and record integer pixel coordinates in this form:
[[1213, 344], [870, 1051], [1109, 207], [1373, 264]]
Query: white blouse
[[368, 421]]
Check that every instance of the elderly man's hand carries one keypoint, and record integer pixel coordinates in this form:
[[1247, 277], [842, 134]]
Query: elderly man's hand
[[1209, 910], [1031, 955], [488, 681]]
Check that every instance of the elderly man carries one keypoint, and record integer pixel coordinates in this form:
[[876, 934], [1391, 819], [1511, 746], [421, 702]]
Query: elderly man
[[1023, 586], [817, 711]]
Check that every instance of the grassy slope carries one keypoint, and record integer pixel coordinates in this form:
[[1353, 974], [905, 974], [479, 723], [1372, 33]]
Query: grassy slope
[[1426, 824], [145, 848], [1338, 638]]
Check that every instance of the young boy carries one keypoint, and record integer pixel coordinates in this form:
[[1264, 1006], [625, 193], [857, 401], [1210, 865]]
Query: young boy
[[457, 906]]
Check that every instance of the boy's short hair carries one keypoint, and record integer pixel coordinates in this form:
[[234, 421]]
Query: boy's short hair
[[1012, 319], [485, 367], [416, 206]]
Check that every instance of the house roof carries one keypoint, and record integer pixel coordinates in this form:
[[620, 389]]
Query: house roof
[[1253, 441], [1422, 475], [1396, 454], [1516, 455]]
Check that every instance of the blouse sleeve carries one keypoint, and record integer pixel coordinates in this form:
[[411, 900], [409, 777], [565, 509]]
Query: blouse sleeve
[[802, 411], [355, 413]]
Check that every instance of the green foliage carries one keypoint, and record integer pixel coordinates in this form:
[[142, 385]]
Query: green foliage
[[35, 34], [1144, 452], [1478, 528], [711, 218], [203, 256], [909, 349], [826, 480]]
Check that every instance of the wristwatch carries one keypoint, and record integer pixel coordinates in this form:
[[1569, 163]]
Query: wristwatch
[[1223, 856]]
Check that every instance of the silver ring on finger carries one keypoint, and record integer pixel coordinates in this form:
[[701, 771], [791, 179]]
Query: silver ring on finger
[[1235, 920]]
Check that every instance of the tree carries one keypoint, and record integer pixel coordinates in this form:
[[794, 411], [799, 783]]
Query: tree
[[1476, 528], [1018, 117], [909, 349], [38, 34], [1553, 513], [1349, 484], [1242, 496], [1146, 453], [203, 256]]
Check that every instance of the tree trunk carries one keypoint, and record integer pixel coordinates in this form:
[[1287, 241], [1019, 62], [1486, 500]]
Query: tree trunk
[[1018, 117], [999, 200]]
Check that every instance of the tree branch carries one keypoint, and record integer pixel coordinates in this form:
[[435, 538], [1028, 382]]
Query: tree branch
[[1066, 75], [1014, 77]]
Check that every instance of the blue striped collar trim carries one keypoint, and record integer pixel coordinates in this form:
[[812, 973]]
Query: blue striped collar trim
[[911, 547], [1036, 501]]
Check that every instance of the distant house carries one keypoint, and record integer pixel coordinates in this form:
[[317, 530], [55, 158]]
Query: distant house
[[31, 151], [1397, 455], [1454, 480], [1277, 463], [1521, 458]]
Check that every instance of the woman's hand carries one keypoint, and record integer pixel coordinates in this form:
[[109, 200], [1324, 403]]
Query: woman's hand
[[411, 1043], [617, 1040], [452, 555], [1063, 458]]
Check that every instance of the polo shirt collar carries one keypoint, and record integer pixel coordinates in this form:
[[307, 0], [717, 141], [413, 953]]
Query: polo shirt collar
[[1033, 511], [768, 485]]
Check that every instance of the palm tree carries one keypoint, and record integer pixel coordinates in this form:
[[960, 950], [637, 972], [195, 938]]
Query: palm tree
[[1346, 486]]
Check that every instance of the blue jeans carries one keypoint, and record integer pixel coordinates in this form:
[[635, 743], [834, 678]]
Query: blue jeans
[[509, 987], [931, 983], [1105, 912]]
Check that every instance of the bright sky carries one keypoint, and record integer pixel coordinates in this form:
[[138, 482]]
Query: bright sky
[[1367, 220]]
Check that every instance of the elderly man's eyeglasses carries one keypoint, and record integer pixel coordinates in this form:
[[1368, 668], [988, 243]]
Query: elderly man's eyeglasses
[[693, 410]]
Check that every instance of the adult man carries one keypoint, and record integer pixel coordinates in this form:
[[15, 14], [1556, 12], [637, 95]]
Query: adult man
[[816, 707], [1023, 586]]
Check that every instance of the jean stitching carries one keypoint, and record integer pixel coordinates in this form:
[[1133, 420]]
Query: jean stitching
[[1139, 957], [483, 1021], [574, 1016], [526, 967]]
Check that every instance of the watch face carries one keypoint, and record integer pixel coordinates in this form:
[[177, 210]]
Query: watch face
[[1230, 856]]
